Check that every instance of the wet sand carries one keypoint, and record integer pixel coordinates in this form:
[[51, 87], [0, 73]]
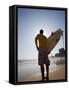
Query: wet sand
[[55, 75], [36, 76]]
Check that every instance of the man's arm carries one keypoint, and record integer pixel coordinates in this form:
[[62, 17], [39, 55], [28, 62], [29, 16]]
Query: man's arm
[[36, 38]]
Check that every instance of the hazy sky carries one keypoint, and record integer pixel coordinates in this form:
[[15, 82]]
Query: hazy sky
[[30, 21]]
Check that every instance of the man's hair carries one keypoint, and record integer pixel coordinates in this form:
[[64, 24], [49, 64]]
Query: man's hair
[[41, 31]]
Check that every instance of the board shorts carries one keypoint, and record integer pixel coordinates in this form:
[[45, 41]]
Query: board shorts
[[43, 57]]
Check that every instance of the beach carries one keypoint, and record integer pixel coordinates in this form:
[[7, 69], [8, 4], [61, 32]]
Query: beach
[[31, 71], [55, 75]]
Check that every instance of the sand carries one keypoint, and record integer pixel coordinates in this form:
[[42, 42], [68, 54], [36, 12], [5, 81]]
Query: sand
[[58, 74], [55, 75]]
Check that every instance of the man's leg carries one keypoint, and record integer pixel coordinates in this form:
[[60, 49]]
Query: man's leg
[[42, 71], [47, 70]]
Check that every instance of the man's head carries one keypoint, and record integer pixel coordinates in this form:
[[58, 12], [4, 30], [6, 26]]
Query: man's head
[[41, 31]]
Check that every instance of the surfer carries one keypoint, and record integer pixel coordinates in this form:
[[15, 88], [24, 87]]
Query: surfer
[[41, 45]]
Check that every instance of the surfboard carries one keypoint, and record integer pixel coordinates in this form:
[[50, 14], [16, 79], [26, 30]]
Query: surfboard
[[53, 39]]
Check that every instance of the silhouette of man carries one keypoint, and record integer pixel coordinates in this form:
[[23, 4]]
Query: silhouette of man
[[41, 45]]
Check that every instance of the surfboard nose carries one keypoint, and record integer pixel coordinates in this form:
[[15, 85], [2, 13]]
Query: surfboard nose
[[62, 32], [59, 30]]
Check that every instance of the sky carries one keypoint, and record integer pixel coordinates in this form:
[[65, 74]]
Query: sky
[[30, 21]]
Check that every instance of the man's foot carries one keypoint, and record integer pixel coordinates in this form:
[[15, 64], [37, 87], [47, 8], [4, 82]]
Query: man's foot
[[47, 78], [42, 80]]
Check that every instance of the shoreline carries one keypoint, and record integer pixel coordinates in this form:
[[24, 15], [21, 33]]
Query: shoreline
[[54, 75]]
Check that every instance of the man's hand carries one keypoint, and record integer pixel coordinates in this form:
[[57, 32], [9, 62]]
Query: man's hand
[[37, 48], [48, 52]]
